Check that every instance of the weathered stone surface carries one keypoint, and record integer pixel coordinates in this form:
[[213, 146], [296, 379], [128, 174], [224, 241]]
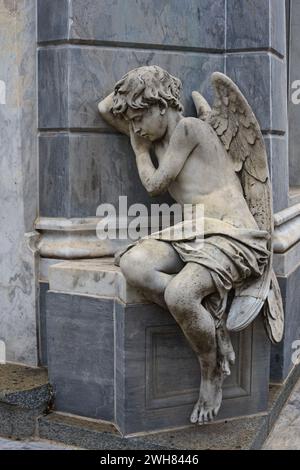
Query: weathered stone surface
[[278, 157], [80, 354], [88, 434], [160, 24], [43, 288], [261, 77], [18, 188], [94, 71], [54, 181], [53, 66], [160, 401], [149, 345], [96, 277], [24, 395], [24, 387], [53, 19], [80, 171], [75, 238], [249, 25], [294, 108], [281, 355], [18, 422], [286, 432], [34, 444]]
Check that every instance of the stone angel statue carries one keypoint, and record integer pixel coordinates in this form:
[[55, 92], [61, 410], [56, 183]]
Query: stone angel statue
[[217, 160]]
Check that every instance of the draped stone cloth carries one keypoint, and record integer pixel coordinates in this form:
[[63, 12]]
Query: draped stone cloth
[[230, 253]]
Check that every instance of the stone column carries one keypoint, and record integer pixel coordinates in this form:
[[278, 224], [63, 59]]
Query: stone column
[[19, 185]]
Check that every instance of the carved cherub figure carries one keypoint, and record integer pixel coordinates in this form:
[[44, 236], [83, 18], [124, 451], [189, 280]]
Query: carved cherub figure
[[217, 160]]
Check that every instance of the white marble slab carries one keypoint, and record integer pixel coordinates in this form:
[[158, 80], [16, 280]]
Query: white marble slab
[[94, 277]]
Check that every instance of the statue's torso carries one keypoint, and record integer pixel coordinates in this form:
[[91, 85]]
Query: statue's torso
[[208, 178]]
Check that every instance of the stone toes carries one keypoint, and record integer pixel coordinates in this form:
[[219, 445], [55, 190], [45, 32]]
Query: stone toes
[[231, 358], [215, 411], [201, 417], [205, 416], [225, 368], [195, 414]]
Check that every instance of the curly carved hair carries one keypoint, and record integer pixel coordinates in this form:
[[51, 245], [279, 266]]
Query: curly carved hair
[[145, 86]]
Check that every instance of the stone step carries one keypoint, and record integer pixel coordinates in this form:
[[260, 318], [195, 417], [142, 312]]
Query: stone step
[[238, 434], [87, 433], [25, 393], [244, 433]]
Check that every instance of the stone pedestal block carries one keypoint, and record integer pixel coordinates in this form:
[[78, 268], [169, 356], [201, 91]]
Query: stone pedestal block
[[114, 357]]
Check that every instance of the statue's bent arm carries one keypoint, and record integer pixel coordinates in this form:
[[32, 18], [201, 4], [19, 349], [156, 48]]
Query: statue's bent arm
[[115, 121], [157, 180]]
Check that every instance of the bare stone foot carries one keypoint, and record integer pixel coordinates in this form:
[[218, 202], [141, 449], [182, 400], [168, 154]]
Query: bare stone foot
[[210, 398]]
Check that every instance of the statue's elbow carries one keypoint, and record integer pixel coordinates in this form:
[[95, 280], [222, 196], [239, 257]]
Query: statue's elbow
[[102, 108]]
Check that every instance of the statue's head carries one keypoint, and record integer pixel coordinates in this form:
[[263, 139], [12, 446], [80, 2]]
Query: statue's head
[[144, 96]]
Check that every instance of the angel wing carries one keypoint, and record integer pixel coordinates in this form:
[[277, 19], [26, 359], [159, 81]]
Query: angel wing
[[236, 126]]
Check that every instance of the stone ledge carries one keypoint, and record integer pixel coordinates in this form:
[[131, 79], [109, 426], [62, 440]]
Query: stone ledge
[[87, 433], [74, 238], [95, 277]]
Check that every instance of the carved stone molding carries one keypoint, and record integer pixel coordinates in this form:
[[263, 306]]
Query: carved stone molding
[[286, 240], [63, 238]]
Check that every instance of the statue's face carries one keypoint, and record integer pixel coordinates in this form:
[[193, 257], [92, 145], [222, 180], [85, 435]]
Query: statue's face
[[150, 123]]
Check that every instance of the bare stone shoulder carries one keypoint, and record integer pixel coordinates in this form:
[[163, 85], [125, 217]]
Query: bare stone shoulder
[[191, 128]]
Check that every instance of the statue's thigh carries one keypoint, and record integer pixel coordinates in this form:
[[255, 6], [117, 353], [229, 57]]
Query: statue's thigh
[[194, 281], [157, 255]]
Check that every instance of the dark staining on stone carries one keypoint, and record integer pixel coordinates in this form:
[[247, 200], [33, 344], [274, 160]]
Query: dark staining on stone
[[75, 281], [11, 6], [98, 276], [186, 131], [199, 14]]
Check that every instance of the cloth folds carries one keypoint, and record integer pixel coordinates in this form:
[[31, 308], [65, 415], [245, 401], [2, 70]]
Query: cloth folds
[[230, 253]]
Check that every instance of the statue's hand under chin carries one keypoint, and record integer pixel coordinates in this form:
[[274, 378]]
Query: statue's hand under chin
[[138, 143]]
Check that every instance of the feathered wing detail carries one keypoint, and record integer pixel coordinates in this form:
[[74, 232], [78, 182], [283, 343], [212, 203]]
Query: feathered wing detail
[[202, 107], [236, 126], [273, 312]]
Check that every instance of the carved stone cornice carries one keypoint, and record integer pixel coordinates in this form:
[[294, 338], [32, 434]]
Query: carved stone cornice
[[75, 238]]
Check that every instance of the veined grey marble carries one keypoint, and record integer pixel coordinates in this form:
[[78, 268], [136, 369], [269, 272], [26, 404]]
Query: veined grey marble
[[256, 24], [294, 108], [277, 148], [104, 21], [94, 69], [262, 78], [19, 187]]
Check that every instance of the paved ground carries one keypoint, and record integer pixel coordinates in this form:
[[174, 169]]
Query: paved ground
[[286, 433], [8, 444]]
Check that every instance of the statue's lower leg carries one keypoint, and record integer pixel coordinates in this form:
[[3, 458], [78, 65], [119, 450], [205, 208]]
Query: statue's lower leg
[[199, 328], [226, 355]]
